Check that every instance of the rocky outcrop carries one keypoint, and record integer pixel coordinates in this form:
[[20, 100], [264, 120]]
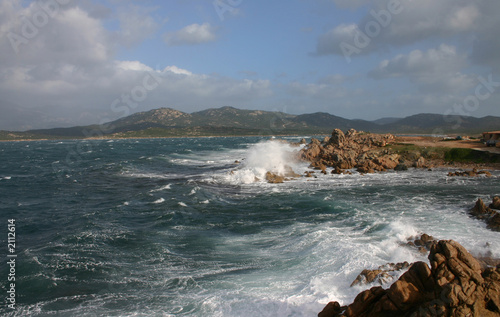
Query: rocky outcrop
[[381, 275], [488, 214], [274, 178], [454, 285], [401, 167], [422, 243], [349, 150], [420, 163], [496, 203], [472, 173], [285, 175]]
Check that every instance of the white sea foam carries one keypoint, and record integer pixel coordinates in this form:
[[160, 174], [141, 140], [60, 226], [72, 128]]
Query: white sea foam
[[268, 156], [162, 188], [159, 201]]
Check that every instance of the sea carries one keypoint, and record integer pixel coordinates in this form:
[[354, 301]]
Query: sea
[[190, 227]]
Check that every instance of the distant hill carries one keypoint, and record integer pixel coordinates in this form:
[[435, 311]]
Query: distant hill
[[167, 122], [433, 123], [387, 120], [326, 120]]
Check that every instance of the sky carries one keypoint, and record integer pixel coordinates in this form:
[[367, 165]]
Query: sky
[[69, 62]]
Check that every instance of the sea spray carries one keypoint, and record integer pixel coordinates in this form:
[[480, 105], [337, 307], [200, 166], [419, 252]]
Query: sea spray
[[100, 246], [267, 156]]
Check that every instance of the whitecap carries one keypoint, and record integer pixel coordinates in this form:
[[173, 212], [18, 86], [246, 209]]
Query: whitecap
[[159, 201], [168, 186]]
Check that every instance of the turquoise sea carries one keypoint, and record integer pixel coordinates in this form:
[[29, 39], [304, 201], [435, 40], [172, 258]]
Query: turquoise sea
[[174, 227]]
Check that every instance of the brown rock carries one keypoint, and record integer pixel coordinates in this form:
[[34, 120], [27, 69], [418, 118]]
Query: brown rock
[[472, 173], [348, 150], [480, 210], [496, 203], [387, 161], [337, 170], [422, 243], [380, 275], [308, 174], [331, 309], [338, 138], [455, 285], [420, 163], [401, 167], [274, 178]]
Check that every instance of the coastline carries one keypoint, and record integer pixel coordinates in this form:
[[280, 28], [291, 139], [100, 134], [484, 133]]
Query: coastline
[[418, 144], [455, 284]]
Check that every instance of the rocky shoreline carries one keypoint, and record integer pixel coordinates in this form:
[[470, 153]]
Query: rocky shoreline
[[455, 284], [370, 153], [490, 214], [367, 153]]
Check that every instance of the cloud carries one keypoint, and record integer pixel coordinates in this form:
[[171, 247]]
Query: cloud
[[486, 44], [330, 42], [136, 24], [410, 22], [191, 35], [69, 72], [436, 70]]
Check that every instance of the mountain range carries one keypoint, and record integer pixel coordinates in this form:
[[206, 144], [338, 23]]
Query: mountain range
[[167, 122]]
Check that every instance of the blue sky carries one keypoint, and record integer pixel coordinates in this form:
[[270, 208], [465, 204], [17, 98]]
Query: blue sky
[[69, 62]]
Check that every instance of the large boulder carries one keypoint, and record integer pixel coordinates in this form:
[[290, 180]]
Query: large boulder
[[490, 216], [274, 178], [381, 275], [454, 285], [347, 150], [388, 161], [338, 138], [496, 203], [420, 162]]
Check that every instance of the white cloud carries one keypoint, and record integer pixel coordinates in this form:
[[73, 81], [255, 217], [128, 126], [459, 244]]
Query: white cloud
[[330, 42], [69, 72], [136, 24], [432, 70], [414, 21], [191, 35], [177, 70]]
